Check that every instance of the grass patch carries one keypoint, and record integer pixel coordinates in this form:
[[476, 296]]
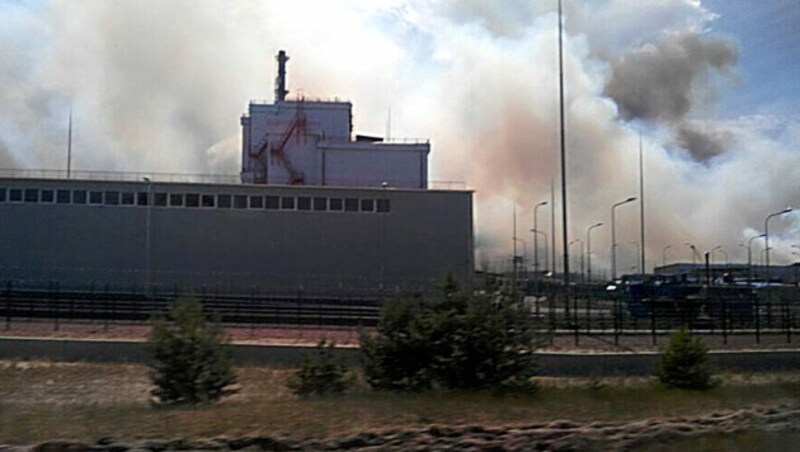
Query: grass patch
[[40, 401]]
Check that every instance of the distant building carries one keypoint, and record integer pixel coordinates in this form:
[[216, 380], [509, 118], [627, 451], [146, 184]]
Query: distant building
[[316, 213]]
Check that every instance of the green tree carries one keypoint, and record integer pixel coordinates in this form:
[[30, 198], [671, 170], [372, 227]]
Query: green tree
[[684, 363], [322, 373], [455, 341], [190, 363]]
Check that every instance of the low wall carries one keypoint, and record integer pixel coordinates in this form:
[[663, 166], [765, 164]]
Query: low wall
[[551, 364]]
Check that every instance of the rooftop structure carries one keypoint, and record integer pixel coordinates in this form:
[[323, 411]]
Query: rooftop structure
[[305, 142]]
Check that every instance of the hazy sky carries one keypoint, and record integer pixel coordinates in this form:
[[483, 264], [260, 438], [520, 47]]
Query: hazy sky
[[159, 86]]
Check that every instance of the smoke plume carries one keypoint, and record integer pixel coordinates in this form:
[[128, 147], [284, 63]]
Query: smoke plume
[[666, 81], [160, 86]]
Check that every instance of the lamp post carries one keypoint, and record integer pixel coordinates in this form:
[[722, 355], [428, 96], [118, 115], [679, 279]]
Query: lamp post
[[147, 238], [546, 249], [582, 255], [766, 238], [524, 255], [589, 250], [535, 238], [614, 237], [664, 255], [750, 258], [766, 248]]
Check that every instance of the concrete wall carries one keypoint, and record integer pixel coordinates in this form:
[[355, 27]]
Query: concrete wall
[[234, 250], [551, 364]]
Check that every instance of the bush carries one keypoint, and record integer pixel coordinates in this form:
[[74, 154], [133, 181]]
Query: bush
[[189, 361], [684, 363], [455, 341], [321, 373]]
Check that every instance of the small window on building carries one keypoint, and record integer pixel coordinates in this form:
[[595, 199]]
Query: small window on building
[[320, 204], [193, 200], [48, 196], [112, 198], [31, 195], [256, 202], [63, 197], [207, 200], [96, 197], [303, 203], [239, 201], [336, 204], [175, 199], [128, 198], [383, 205], [367, 205], [2, 194], [142, 198], [287, 203], [15, 195], [79, 197], [351, 205], [224, 201], [160, 199], [272, 202]]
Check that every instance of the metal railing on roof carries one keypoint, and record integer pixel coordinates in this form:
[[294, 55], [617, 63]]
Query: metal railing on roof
[[117, 176], [235, 179]]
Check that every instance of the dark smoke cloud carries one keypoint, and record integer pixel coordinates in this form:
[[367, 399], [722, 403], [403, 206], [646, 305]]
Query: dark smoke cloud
[[702, 142], [667, 81], [664, 81]]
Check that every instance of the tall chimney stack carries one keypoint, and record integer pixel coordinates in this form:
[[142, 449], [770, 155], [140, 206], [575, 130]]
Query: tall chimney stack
[[280, 81]]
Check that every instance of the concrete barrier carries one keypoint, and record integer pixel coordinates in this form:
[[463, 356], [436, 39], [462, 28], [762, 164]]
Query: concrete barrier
[[551, 363]]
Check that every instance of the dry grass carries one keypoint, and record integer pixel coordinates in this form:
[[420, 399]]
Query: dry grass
[[42, 400]]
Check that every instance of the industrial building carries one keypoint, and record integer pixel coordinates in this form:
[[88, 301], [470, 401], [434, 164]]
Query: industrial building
[[317, 212]]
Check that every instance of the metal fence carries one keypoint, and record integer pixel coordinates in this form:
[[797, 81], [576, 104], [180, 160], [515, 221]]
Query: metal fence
[[588, 313]]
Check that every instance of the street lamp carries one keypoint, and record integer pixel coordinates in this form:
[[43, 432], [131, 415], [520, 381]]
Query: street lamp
[[524, 255], [614, 237], [546, 249], [535, 238], [589, 249], [721, 249], [581, 242], [750, 258], [694, 254], [147, 238], [766, 240], [664, 255]]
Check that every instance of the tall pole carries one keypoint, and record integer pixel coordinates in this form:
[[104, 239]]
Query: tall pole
[[147, 236], [638, 269], [589, 250], [514, 247], [750, 258], [536, 238], [614, 236], [553, 227], [546, 252], [766, 240], [641, 201], [69, 145], [766, 249], [579, 241], [564, 228]]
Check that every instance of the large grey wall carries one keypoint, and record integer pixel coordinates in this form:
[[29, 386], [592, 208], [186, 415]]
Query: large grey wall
[[233, 250]]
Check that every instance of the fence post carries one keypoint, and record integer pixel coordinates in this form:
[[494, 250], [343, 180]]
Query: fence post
[[758, 319], [653, 321], [8, 305]]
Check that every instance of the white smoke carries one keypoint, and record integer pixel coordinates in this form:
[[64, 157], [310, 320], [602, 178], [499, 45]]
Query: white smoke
[[159, 86]]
